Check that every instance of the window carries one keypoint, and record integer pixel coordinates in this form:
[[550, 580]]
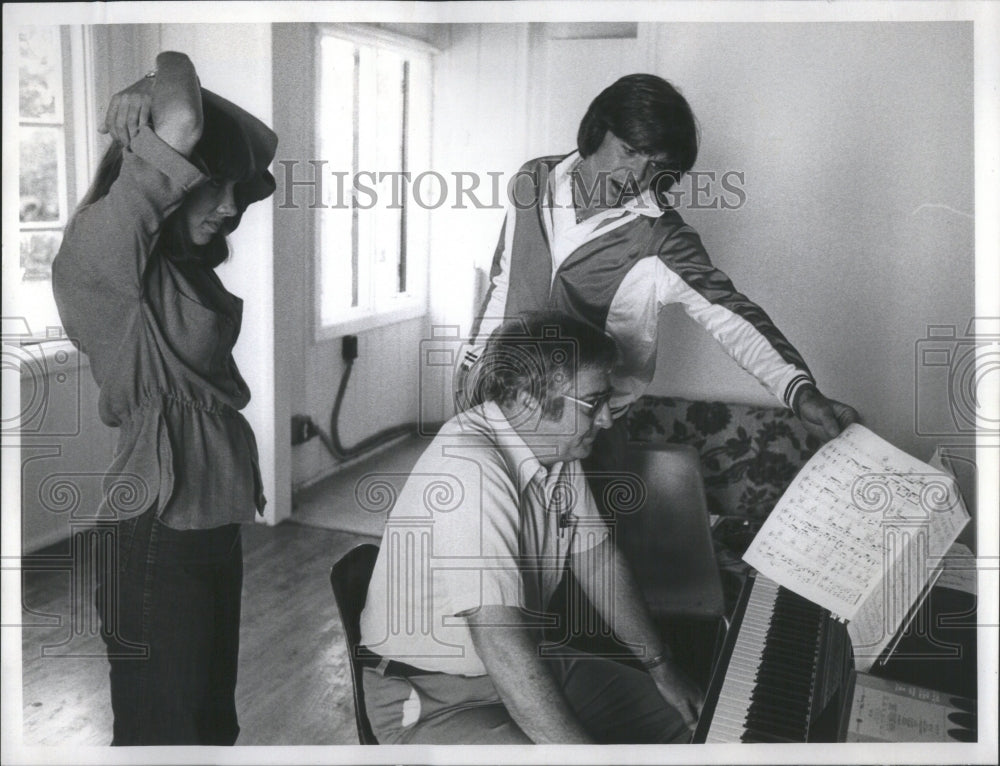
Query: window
[[54, 165], [372, 130]]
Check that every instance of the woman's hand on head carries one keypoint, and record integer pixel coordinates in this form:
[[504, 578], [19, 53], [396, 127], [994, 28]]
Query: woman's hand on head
[[169, 100], [177, 108], [128, 111]]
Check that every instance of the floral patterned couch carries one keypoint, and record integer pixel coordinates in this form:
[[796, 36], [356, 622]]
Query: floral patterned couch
[[749, 454]]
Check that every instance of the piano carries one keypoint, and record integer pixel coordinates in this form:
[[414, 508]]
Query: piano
[[786, 672], [783, 674]]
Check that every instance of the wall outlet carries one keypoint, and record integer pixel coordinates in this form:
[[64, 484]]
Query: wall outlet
[[303, 429], [349, 348]]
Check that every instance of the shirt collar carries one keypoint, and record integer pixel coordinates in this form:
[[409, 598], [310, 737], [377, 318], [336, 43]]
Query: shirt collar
[[645, 204], [560, 191], [515, 452]]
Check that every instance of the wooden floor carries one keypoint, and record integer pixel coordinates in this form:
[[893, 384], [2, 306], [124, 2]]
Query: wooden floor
[[294, 684], [334, 502]]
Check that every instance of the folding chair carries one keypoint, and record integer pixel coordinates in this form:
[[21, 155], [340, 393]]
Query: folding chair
[[349, 579]]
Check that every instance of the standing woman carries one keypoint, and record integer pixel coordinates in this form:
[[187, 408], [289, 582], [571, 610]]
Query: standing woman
[[136, 289]]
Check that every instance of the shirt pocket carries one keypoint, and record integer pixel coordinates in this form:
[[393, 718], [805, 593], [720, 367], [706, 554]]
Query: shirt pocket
[[198, 335]]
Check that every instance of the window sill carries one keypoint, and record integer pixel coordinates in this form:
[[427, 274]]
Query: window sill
[[365, 322]]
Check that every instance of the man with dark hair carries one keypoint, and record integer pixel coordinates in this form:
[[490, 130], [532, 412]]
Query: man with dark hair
[[494, 511], [590, 234]]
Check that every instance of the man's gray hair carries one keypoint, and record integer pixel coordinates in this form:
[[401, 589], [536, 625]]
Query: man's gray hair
[[539, 353]]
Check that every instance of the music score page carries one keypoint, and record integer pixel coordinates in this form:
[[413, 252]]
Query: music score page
[[857, 530]]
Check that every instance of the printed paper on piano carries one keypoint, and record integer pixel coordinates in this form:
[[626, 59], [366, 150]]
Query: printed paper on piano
[[859, 532]]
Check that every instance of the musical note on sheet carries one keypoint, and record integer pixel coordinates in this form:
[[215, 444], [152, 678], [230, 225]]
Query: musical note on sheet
[[857, 531]]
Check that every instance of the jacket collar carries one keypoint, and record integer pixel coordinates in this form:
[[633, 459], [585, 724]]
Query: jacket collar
[[560, 191]]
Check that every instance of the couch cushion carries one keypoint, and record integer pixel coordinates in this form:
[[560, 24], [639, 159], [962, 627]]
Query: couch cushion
[[749, 454]]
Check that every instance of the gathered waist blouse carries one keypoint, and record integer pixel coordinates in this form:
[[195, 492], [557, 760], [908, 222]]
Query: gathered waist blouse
[[159, 334]]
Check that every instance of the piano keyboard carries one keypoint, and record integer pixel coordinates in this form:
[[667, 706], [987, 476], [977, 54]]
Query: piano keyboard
[[767, 690]]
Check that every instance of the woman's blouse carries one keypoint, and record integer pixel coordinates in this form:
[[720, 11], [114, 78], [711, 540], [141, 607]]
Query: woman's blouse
[[160, 336]]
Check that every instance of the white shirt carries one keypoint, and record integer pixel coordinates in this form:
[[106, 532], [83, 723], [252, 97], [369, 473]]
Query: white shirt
[[479, 522]]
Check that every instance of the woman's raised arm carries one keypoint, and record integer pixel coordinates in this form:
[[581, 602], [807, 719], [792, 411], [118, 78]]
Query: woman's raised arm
[[170, 100]]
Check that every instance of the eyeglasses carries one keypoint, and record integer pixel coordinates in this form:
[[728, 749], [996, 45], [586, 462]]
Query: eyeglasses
[[591, 407]]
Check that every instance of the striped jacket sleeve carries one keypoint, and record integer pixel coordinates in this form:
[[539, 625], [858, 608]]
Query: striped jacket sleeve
[[680, 271]]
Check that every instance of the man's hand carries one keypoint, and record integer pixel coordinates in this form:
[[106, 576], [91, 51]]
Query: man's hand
[[823, 418], [679, 691], [128, 111]]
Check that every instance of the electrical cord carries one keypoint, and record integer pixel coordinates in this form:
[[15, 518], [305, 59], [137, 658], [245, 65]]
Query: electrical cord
[[332, 441]]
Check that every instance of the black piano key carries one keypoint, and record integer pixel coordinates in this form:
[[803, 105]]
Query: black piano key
[[785, 655], [754, 735], [779, 717], [779, 696], [774, 707], [789, 628], [776, 727], [771, 673], [792, 649], [775, 715], [780, 701], [792, 625], [776, 679], [766, 690]]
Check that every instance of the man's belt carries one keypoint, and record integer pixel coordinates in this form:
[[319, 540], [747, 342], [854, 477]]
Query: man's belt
[[386, 667]]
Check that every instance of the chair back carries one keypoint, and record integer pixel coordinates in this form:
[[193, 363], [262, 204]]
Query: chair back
[[349, 579], [666, 536]]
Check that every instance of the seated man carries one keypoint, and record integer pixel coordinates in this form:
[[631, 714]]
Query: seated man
[[478, 540]]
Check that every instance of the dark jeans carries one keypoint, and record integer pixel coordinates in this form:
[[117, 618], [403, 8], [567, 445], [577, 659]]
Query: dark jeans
[[170, 617]]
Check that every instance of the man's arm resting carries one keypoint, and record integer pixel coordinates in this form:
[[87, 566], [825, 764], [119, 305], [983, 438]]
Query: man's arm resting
[[527, 687], [625, 612]]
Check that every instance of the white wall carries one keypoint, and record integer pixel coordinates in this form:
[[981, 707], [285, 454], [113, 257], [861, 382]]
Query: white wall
[[856, 141], [856, 144], [481, 126]]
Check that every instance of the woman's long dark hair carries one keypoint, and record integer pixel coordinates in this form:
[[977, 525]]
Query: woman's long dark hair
[[222, 153]]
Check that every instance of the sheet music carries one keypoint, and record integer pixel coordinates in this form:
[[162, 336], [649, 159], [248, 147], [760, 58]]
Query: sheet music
[[879, 619], [959, 566], [859, 514]]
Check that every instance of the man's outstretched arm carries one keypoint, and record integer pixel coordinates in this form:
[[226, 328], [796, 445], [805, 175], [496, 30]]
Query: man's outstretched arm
[[530, 692]]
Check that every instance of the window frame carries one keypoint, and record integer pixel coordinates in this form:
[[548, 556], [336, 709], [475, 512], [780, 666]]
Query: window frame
[[76, 161], [403, 306]]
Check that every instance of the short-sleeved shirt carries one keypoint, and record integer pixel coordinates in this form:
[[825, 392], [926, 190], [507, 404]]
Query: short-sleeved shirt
[[479, 522]]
